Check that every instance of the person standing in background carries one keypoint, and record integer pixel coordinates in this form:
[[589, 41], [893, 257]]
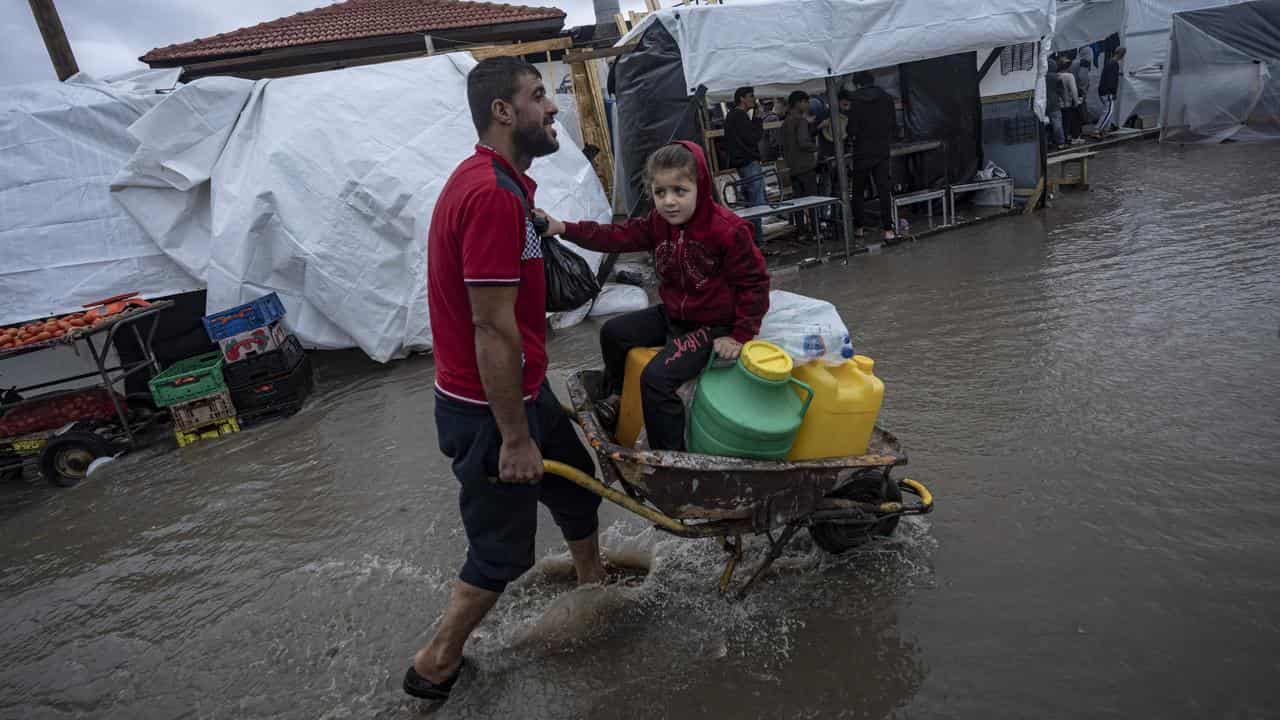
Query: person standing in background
[[798, 147], [873, 124], [742, 134], [1070, 101], [1081, 72], [826, 143], [1108, 85], [1053, 106]]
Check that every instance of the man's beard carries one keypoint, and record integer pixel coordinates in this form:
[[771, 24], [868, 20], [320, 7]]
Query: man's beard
[[533, 140]]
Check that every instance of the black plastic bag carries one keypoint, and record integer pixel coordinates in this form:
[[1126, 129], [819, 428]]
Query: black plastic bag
[[570, 282]]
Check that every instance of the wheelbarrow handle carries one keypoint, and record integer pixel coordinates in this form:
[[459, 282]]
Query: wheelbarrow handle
[[586, 482], [917, 488]]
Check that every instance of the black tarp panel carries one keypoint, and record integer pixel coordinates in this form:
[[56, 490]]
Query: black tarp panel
[[941, 102], [1252, 28], [653, 108]]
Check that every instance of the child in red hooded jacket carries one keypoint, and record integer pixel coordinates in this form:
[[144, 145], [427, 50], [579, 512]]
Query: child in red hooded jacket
[[711, 279]]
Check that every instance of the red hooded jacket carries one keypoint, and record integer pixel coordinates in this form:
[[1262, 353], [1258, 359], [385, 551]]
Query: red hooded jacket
[[710, 271]]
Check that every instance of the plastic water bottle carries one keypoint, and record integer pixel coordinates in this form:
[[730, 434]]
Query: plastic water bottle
[[814, 346]]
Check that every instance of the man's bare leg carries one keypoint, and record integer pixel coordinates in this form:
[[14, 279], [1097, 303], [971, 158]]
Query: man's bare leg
[[586, 559], [468, 605]]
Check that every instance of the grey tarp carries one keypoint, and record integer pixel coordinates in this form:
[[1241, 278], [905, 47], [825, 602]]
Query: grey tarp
[[1223, 75]]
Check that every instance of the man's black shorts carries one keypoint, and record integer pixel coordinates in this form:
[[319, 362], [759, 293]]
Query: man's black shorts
[[501, 519]]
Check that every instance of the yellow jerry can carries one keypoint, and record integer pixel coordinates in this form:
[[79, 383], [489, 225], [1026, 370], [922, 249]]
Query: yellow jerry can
[[846, 402], [631, 411]]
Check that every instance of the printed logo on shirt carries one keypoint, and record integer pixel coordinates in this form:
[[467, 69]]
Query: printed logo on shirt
[[532, 243]]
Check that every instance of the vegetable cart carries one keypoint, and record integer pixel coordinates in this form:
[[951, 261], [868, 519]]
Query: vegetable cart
[[92, 421]]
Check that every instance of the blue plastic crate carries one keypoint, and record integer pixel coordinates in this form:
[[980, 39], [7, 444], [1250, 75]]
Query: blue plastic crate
[[243, 318]]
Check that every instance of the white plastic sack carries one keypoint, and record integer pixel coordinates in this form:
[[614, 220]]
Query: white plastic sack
[[615, 299], [320, 187], [807, 328]]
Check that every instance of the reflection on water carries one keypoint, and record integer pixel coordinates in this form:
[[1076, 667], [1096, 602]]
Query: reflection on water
[[1089, 391]]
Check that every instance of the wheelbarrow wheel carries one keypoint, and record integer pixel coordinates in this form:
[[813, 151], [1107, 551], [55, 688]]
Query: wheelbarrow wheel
[[840, 538], [65, 460]]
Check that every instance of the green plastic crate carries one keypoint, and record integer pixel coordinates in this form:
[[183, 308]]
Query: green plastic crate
[[189, 379]]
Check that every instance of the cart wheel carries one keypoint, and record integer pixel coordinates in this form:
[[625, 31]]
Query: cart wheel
[[65, 460], [837, 539], [10, 474]]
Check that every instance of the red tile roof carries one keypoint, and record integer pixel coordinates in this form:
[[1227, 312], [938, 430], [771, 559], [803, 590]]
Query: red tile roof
[[353, 19]]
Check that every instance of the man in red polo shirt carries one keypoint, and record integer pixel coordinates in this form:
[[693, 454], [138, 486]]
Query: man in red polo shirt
[[496, 418]]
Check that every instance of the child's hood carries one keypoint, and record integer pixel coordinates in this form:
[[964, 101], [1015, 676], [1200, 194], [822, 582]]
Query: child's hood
[[710, 218], [706, 198]]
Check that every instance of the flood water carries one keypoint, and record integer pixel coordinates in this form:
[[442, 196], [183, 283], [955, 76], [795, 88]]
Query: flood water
[[1091, 392]]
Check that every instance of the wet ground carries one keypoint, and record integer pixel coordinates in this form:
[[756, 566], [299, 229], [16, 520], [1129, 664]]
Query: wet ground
[[1091, 392]]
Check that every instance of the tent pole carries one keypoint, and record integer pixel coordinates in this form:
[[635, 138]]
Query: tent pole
[[842, 173]]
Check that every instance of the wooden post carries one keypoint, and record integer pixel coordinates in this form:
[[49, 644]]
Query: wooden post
[[55, 38], [591, 115]]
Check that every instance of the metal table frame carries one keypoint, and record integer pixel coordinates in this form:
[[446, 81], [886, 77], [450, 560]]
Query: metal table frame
[[921, 196], [810, 204]]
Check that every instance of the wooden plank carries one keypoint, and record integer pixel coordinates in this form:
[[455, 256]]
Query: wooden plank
[[291, 70], [591, 116], [584, 55], [1006, 97], [771, 125], [653, 5], [522, 48], [622, 24], [1034, 200], [1056, 159], [287, 71]]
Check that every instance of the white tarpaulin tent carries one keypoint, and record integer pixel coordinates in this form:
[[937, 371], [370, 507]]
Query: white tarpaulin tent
[[1223, 79], [63, 240], [1082, 22], [320, 187], [765, 42]]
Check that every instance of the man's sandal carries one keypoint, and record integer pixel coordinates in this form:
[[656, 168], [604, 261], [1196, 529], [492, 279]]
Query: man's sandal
[[420, 687]]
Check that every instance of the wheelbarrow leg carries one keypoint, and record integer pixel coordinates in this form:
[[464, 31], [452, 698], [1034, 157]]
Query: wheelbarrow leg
[[734, 548], [775, 551]]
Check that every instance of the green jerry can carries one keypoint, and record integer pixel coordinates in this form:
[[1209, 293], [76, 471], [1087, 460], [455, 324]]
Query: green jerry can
[[748, 409]]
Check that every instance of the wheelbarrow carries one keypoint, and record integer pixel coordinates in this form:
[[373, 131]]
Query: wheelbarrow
[[842, 502]]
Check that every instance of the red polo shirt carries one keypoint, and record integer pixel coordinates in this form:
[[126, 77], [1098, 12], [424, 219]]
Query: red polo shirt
[[481, 235]]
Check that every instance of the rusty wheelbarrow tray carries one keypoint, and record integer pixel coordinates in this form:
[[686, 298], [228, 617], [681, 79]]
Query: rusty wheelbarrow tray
[[841, 500]]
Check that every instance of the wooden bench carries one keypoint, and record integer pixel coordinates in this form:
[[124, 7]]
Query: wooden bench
[[1062, 162]]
